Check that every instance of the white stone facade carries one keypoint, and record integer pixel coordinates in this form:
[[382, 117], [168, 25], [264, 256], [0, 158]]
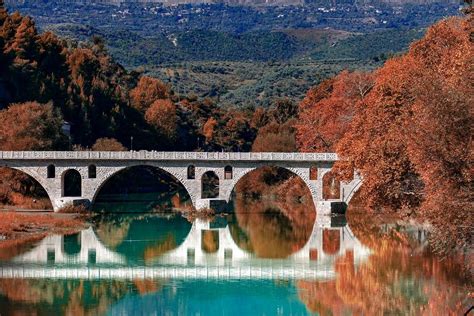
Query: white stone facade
[[108, 164]]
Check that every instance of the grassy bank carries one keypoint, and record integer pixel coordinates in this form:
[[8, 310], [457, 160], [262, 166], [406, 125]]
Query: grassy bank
[[19, 230]]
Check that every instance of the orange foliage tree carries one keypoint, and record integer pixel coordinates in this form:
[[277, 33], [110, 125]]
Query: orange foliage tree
[[328, 109], [275, 137], [407, 128], [147, 91], [208, 128], [27, 126], [162, 115], [411, 141], [108, 144], [31, 126]]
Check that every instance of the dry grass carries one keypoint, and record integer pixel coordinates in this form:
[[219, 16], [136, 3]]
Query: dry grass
[[27, 202]]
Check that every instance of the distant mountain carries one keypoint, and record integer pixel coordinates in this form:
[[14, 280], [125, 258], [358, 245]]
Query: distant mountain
[[236, 2]]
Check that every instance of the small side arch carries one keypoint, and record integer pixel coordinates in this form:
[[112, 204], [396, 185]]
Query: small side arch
[[51, 172], [191, 172], [71, 183], [228, 173], [209, 185], [92, 171]]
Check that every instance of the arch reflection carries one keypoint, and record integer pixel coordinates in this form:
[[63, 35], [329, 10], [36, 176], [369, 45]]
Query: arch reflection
[[141, 238], [272, 213]]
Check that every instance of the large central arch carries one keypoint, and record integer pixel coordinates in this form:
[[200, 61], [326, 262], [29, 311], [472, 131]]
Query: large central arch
[[117, 171]]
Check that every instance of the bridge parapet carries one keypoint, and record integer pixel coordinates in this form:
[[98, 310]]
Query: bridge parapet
[[160, 155]]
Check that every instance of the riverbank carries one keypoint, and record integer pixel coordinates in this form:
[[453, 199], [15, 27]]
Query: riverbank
[[20, 228]]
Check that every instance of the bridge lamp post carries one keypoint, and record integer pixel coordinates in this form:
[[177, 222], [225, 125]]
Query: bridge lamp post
[[131, 142]]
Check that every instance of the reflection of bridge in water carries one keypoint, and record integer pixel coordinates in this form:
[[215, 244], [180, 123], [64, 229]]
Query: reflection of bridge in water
[[92, 260]]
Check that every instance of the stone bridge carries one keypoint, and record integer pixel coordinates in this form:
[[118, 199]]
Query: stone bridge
[[92, 169]]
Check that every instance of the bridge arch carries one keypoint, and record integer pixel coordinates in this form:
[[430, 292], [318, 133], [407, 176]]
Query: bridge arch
[[71, 183], [353, 190], [103, 179], [39, 179], [51, 172], [302, 173], [210, 185], [331, 187], [263, 218]]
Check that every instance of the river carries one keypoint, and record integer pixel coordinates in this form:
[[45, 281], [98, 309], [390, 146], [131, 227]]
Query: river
[[266, 256]]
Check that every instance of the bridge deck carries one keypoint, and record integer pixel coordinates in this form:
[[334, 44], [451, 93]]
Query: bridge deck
[[160, 155]]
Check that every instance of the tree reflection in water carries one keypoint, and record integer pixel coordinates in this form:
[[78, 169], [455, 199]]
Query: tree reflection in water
[[399, 277], [273, 213], [65, 297], [141, 238]]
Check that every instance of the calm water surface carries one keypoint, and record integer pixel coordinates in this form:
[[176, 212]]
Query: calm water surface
[[266, 257]]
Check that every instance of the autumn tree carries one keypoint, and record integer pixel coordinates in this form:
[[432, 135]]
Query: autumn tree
[[147, 91], [407, 128], [375, 144], [208, 128], [108, 144], [3, 12], [439, 129], [24, 43], [28, 126], [31, 126], [162, 115], [411, 137], [274, 137], [328, 109]]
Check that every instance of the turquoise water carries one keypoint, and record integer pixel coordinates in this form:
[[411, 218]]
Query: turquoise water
[[215, 298], [266, 257]]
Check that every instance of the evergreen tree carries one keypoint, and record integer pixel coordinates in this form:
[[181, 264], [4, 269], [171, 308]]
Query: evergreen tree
[[24, 44], [3, 12]]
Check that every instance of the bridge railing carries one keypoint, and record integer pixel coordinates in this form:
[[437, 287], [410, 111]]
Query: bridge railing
[[160, 155]]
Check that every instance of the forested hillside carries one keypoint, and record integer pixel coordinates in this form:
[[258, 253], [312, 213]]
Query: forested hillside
[[266, 53]]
